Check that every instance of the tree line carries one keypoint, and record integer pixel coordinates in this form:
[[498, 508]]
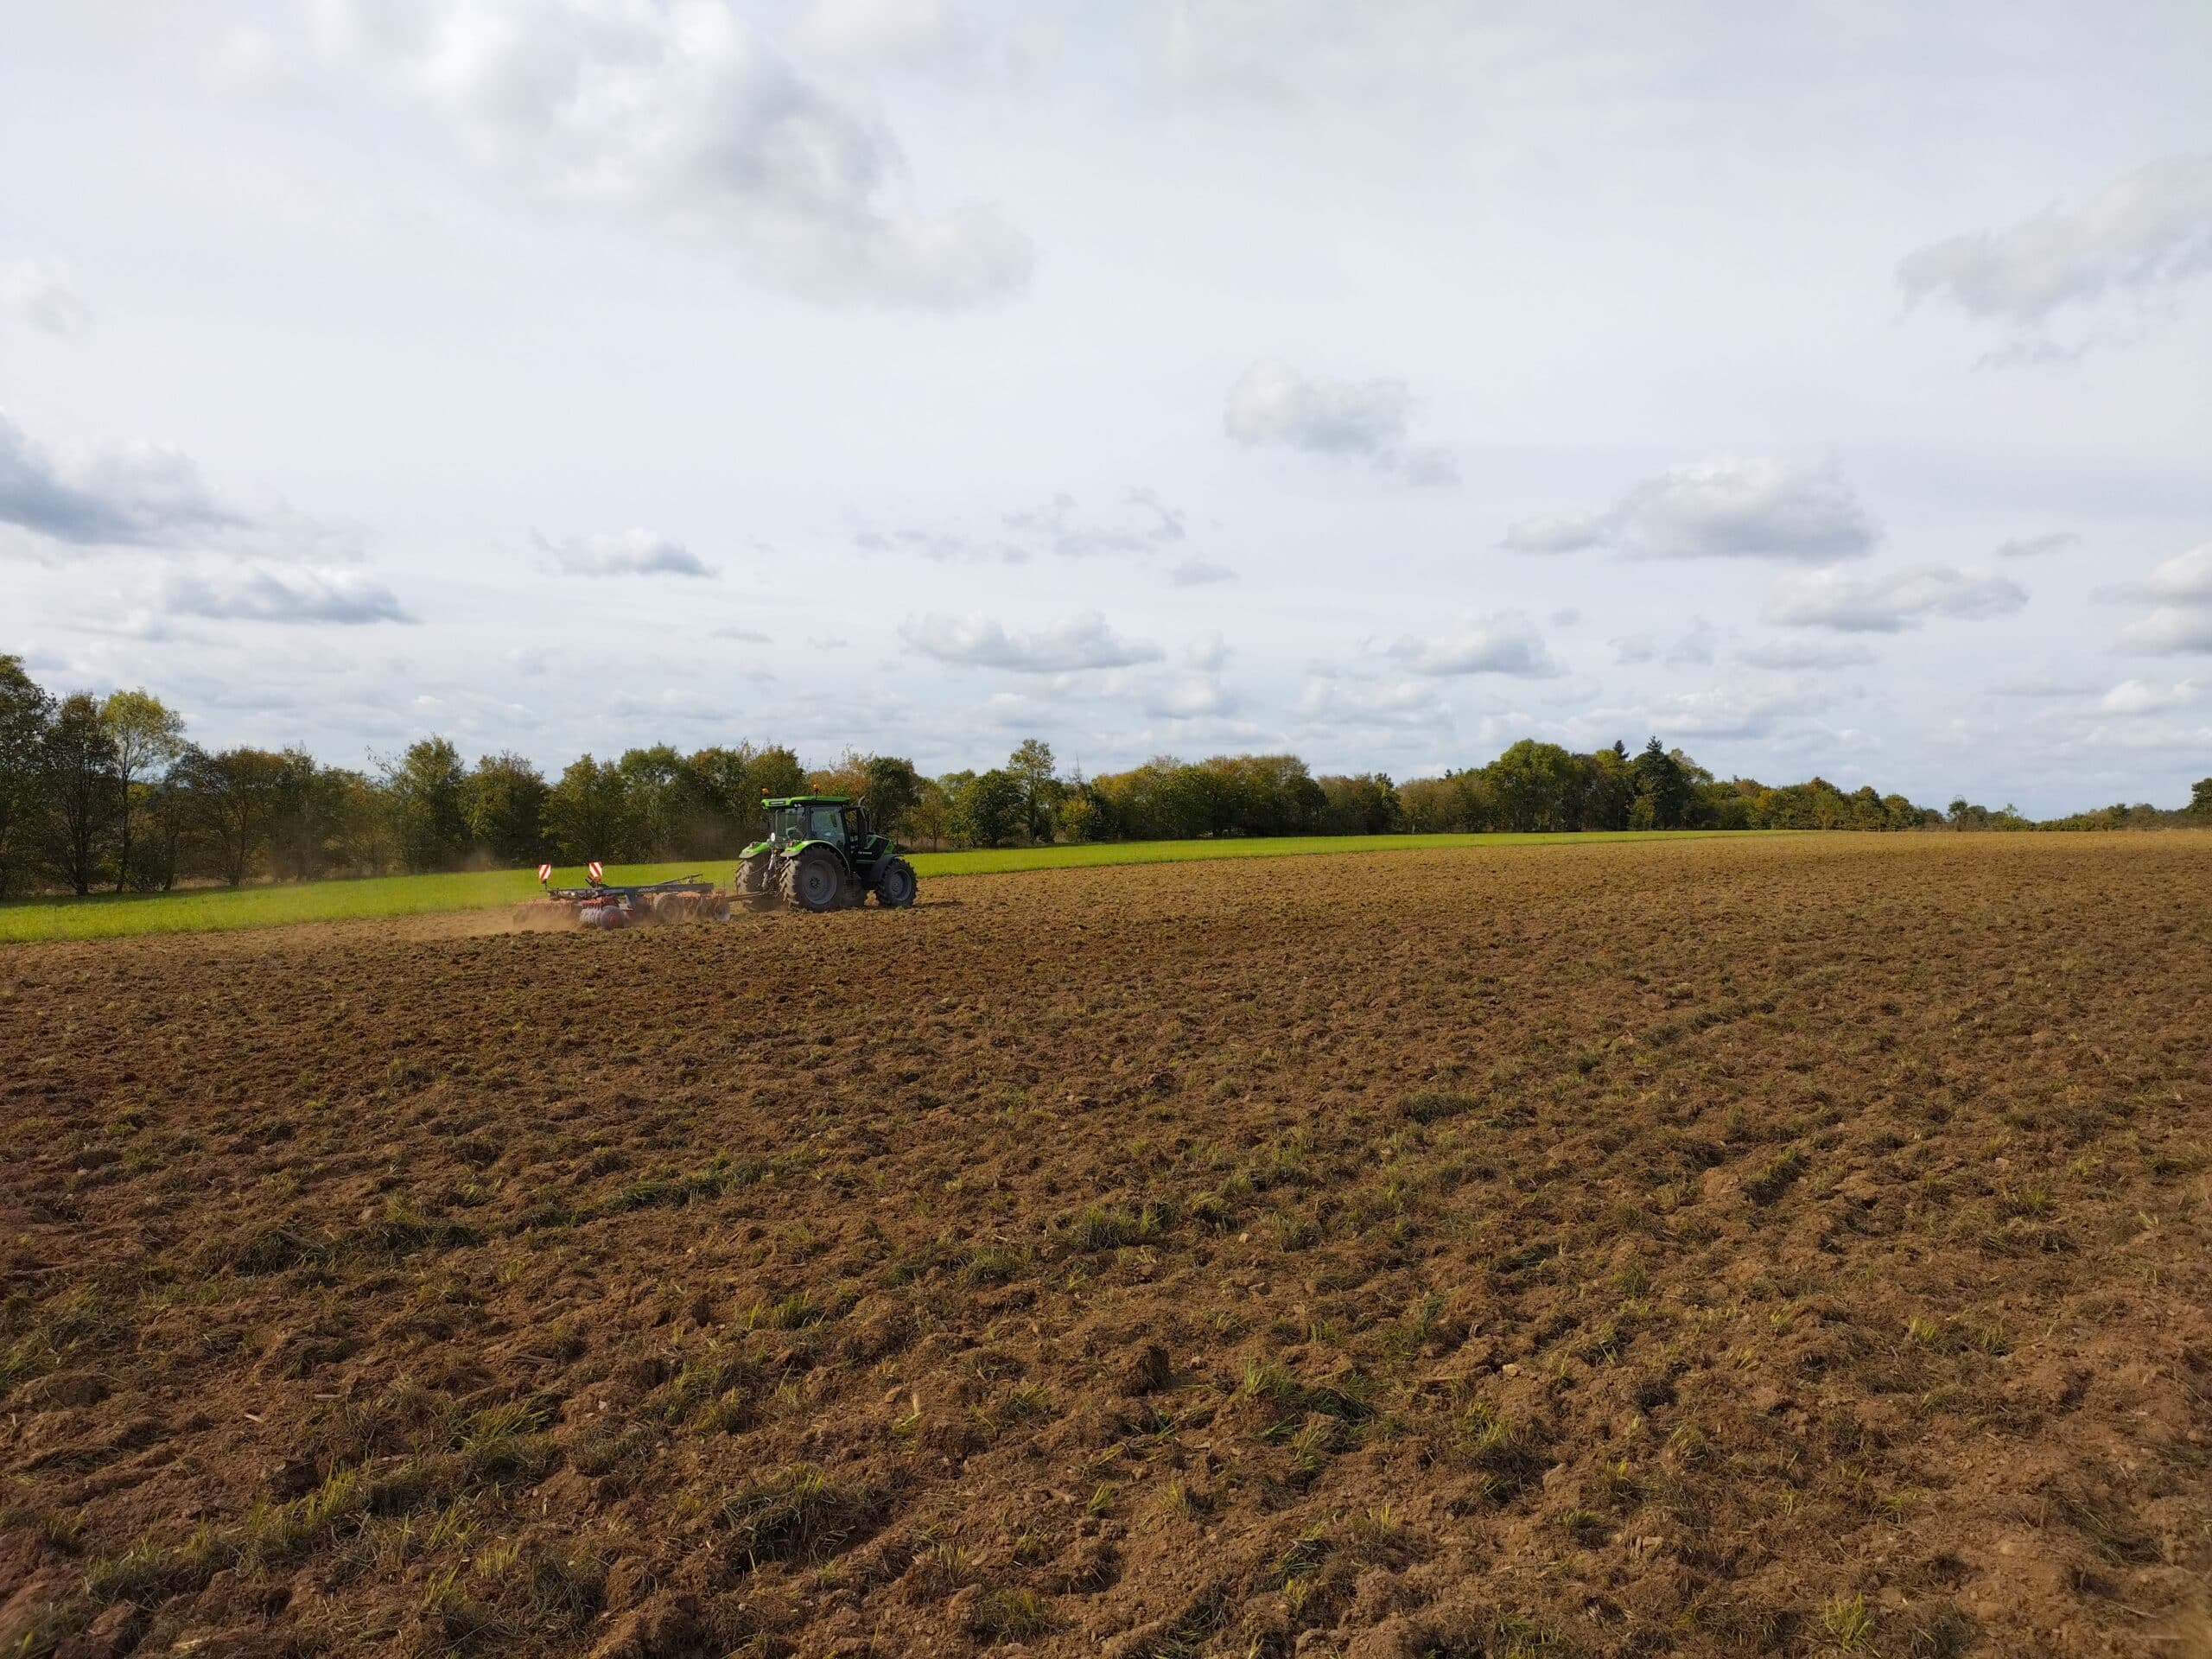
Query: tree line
[[110, 794]]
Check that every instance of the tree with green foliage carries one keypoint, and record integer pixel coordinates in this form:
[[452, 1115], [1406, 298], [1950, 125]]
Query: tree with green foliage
[[83, 790], [1534, 786], [1365, 803], [930, 817], [2200, 799], [990, 808], [1662, 790], [584, 810], [1035, 774], [26, 712], [892, 791], [503, 806], [147, 736], [664, 806], [427, 788], [240, 792]]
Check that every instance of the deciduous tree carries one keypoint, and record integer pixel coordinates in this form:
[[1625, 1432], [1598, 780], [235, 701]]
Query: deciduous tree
[[26, 711], [147, 736], [83, 790]]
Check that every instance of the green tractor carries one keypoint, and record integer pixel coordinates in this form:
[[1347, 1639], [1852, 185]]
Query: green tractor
[[821, 854]]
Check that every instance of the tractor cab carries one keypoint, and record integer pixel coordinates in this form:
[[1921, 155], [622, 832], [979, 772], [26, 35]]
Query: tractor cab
[[830, 818]]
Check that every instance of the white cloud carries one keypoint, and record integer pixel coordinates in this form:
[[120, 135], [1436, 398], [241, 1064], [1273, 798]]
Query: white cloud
[[1695, 648], [1364, 420], [1888, 604], [1729, 507], [2142, 235], [2140, 697], [2186, 578], [40, 291], [1198, 573], [2028, 547], [1730, 712], [1345, 700], [1192, 696], [675, 117], [1565, 532], [1144, 523], [1083, 642], [1633, 650], [2181, 618], [1209, 653], [1507, 643], [134, 495], [634, 552], [913, 31], [262, 595], [2169, 629], [1140, 525]]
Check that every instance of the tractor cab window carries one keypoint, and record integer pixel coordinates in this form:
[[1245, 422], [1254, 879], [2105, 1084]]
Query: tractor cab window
[[828, 825], [787, 823], [852, 826]]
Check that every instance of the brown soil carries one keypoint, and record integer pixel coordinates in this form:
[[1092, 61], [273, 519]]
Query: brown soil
[[1718, 1248]]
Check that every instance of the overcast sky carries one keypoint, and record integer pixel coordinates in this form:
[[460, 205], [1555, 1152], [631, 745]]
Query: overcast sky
[[1825, 388]]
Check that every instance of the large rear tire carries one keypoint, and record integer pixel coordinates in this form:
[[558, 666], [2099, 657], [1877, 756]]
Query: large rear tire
[[814, 880], [755, 890], [895, 884]]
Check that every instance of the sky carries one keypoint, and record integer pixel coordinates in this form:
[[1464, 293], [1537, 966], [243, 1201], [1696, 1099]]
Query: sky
[[1824, 389]]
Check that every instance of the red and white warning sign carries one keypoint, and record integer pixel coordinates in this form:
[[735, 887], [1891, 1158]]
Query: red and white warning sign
[[544, 873], [595, 871]]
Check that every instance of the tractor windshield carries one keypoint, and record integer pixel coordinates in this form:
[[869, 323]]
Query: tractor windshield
[[787, 823], [829, 824]]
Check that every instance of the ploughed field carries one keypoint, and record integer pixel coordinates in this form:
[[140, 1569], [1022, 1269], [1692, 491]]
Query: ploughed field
[[1792, 1246]]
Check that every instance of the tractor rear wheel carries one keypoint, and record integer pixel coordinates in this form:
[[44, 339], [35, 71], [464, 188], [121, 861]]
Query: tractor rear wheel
[[814, 880], [895, 884]]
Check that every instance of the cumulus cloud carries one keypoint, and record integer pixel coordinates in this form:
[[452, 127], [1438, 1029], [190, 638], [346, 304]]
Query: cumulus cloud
[[40, 293], [2140, 697], [1731, 712], [2181, 619], [2141, 237], [675, 116], [1507, 643], [1889, 604], [2028, 547], [1348, 701], [1360, 420], [262, 595], [1729, 507], [1209, 653], [135, 494], [634, 552], [1083, 642], [1192, 696], [2169, 629], [2185, 579]]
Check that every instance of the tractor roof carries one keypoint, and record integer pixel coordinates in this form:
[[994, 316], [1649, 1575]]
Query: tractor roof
[[806, 800]]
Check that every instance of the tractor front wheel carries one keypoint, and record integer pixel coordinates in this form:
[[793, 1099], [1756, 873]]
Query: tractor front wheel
[[895, 884], [814, 882]]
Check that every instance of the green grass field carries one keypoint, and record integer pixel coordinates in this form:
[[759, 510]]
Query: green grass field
[[219, 910]]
